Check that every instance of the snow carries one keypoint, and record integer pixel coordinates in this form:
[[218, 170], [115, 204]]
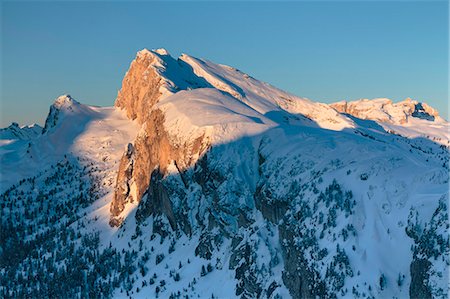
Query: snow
[[162, 51], [265, 98], [210, 109], [419, 128]]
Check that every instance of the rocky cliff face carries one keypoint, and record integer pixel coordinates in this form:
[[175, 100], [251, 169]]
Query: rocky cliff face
[[141, 87], [123, 184], [151, 150], [153, 76]]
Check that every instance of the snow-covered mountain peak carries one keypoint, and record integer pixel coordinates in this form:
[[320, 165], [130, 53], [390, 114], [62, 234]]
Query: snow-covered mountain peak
[[155, 75], [65, 106], [152, 76], [156, 59], [65, 101], [146, 52], [162, 51]]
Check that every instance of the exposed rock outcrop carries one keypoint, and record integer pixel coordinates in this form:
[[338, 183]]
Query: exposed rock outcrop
[[152, 76], [156, 201], [144, 85], [419, 276], [62, 102], [385, 110], [152, 150], [245, 258], [141, 87], [301, 281], [123, 184], [429, 247], [423, 111], [272, 210]]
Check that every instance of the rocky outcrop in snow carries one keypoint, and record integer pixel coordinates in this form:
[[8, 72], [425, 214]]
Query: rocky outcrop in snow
[[152, 76], [151, 150], [384, 110], [123, 182], [141, 87], [156, 201], [66, 106]]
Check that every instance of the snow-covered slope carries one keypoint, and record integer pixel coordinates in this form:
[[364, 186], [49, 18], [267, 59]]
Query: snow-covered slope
[[205, 182], [265, 98], [71, 129]]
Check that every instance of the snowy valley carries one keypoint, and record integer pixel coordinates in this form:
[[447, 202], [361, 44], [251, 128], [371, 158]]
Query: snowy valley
[[204, 182]]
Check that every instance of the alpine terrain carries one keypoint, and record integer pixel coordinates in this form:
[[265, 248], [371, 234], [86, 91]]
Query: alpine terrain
[[203, 182]]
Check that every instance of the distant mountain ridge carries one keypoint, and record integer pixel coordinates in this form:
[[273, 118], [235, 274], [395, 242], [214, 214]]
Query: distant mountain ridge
[[14, 131], [385, 110]]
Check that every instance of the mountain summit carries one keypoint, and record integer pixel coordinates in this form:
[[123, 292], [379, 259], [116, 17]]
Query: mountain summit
[[203, 181]]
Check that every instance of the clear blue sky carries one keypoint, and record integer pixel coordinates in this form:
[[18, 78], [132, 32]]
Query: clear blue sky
[[326, 51]]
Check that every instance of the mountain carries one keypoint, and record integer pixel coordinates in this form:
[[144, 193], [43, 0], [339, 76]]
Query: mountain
[[202, 181]]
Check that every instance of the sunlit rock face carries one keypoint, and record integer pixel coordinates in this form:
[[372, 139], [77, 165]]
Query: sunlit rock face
[[140, 87], [152, 149]]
